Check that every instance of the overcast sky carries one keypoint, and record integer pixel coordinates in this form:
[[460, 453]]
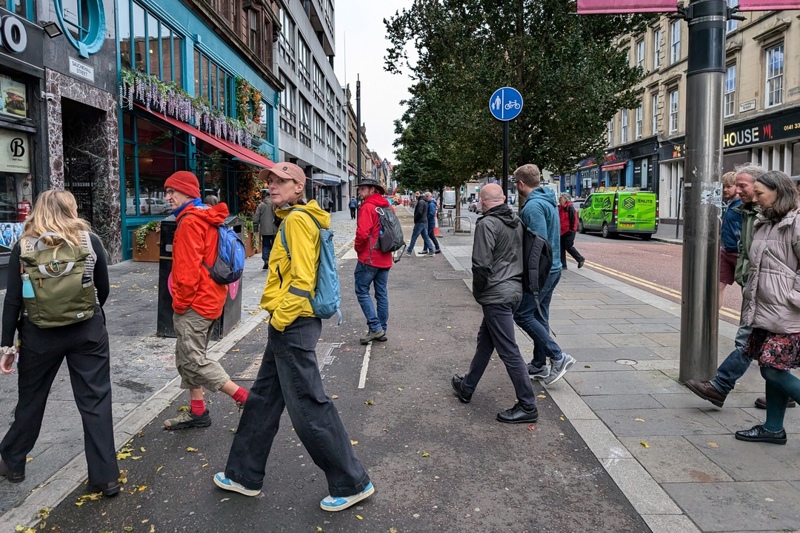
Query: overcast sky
[[360, 49]]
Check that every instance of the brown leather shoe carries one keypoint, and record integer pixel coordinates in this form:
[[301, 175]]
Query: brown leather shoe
[[761, 403], [706, 391]]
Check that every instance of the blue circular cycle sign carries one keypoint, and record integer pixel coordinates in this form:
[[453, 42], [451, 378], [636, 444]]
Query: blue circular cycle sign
[[505, 104]]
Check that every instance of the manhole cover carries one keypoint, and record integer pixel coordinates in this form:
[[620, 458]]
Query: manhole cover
[[626, 362]]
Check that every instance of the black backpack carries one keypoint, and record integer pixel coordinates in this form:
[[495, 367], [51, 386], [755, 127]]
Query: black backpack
[[537, 260], [391, 236]]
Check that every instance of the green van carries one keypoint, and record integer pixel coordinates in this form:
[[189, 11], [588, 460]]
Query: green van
[[622, 211]]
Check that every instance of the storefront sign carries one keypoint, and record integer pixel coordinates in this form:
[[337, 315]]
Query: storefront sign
[[15, 153], [81, 69], [21, 43], [13, 99], [747, 106]]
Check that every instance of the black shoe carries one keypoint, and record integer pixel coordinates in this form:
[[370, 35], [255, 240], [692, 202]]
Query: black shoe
[[109, 489], [12, 477], [464, 397], [518, 415], [438, 251], [759, 434], [761, 403], [265, 267], [581, 262]]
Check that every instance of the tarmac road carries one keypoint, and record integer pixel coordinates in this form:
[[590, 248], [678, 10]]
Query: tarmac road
[[437, 464]]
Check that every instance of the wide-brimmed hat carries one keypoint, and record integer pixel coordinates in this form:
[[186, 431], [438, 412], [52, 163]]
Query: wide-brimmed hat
[[372, 183]]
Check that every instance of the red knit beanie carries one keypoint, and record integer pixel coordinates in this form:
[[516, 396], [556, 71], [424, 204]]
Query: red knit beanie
[[185, 182]]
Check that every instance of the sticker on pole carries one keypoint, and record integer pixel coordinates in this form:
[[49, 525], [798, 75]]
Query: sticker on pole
[[505, 104]]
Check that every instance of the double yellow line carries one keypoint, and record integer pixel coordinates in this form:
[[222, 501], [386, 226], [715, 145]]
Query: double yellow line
[[628, 278]]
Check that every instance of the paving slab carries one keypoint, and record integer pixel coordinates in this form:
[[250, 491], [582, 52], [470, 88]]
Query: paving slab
[[670, 524], [611, 353], [646, 496], [755, 506], [621, 401], [665, 339], [570, 341], [629, 339], [608, 314], [674, 460], [641, 422], [768, 462], [650, 381], [649, 327]]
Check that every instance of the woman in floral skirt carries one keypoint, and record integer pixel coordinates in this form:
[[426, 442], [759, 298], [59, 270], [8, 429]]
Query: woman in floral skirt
[[772, 301]]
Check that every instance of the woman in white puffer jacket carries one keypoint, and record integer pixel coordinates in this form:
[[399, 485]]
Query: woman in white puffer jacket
[[772, 301]]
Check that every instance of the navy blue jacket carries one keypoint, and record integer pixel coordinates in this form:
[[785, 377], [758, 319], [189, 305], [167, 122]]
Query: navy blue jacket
[[731, 228]]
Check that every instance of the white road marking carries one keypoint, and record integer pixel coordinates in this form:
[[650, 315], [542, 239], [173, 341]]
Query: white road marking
[[362, 380]]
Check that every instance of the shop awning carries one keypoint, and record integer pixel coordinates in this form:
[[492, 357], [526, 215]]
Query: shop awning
[[326, 179], [619, 165], [239, 152]]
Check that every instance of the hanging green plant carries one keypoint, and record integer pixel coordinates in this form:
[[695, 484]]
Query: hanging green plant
[[141, 233], [248, 101], [249, 229]]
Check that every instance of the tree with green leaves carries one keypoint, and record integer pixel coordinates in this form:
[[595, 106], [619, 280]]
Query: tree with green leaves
[[570, 70]]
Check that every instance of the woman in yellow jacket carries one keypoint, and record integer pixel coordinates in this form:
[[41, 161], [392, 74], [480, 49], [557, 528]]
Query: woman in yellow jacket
[[289, 376]]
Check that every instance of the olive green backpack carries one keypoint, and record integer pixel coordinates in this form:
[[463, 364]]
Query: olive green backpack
[[63, 291]]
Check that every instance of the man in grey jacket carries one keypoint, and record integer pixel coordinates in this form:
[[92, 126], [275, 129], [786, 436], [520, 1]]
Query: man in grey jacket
[[265, 218], [497, 287]]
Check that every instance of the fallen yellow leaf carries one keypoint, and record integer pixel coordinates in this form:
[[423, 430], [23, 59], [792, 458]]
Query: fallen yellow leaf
[[28, 459], [335, 397], [78, 503], [643, 443], [159, 469], [359, 517], [369, 402], [425, 454], [123, 455], [712, 445], [142, 449], [399, 388], [638, 419], [190, 449], [204, 465], [353, 442], [541, 396], [183, 408], [142, 488], [146, 520]]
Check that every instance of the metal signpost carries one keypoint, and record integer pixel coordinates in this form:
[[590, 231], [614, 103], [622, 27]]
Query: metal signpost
[[505, 105]]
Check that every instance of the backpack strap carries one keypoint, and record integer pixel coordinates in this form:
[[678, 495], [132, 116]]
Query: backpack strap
[[292, 289]]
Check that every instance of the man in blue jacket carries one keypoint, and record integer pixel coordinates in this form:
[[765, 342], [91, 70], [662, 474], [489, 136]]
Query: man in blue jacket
[[432, 222], [540, 215], [729, 234]]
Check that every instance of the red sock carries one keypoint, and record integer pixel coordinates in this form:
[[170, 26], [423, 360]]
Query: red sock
[[198, 407], [240, 395]]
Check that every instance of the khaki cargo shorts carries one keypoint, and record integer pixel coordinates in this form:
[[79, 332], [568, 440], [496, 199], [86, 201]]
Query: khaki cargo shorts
[[194, 332]]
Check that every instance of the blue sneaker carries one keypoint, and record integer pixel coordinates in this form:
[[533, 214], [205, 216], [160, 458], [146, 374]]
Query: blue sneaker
[[226, 484], [340, 503]]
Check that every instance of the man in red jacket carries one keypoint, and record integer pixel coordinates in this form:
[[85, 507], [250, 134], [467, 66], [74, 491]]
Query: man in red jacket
[[197, 300], [569, 225], [373, 265]]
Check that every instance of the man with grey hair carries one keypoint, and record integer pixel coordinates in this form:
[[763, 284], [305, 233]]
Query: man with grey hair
[[497, 287], [737, 362]]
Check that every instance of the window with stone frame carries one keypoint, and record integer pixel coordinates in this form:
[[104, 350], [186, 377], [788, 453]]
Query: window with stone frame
[[729, 104], [774, 75]]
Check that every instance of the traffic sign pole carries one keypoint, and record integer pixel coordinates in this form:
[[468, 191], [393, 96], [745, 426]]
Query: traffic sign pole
[[505, 158]]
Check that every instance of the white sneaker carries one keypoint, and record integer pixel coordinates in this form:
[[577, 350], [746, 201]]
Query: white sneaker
[[226, 484], [339, 503]]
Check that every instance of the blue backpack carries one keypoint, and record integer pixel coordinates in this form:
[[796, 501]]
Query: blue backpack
[[326, 300], [229, 264]]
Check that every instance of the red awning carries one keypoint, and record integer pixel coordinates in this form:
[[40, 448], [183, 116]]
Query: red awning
[[248, 156], [596, 7], [614, 166]]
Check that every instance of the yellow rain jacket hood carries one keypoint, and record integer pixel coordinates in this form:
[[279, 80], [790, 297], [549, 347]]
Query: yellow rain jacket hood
[[302, 238]]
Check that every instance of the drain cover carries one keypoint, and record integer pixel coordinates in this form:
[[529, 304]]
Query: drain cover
[[626, 362]]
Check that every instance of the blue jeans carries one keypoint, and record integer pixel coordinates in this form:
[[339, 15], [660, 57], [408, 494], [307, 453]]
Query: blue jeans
[[528, 313], [420, 229], [366, 275], [497, 334], [289, 377], [432, 234], [266, 246], [735, 365]]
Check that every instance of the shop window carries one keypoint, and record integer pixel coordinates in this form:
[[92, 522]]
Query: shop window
[[774, 88]]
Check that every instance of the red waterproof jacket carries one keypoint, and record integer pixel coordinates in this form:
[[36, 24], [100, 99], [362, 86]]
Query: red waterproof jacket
[[568, 216], [368, 231], [195, 243]]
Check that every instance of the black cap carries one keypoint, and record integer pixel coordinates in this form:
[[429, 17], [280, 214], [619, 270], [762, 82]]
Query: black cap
[[372, 183]]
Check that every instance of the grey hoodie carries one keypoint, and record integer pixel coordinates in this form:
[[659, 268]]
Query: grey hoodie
[[497, 257]]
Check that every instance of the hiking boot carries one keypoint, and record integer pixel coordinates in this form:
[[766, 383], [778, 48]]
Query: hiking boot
[[109, 489], [760, 434], [340, 503], [372, 336], [12, 477], [186, 419], [761, 403], [559, 368], [226, 484], [706, 391], [455, 381], [518, 415], [538, 372]]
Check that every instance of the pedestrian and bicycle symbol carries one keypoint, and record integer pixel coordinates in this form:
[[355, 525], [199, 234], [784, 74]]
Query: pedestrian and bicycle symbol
[[505, 104]]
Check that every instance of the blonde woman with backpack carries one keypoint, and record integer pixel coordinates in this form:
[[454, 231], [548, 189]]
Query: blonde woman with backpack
[[57, 247]]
